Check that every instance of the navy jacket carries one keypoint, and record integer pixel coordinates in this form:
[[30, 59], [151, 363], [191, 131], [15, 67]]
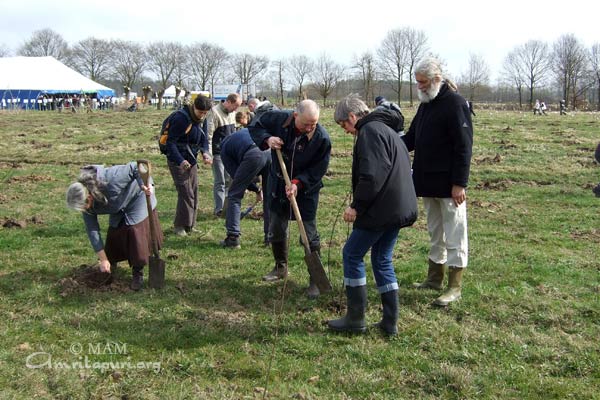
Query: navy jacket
[[441, 135], [383, 192], [233, 149], [310, 161], [182, 146]]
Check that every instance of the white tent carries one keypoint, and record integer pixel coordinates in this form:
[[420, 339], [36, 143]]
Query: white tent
[[170, 92], [29, 77]]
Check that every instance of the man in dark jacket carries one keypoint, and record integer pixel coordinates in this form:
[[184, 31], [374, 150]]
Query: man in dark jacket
[[441, 135], [384, 201], [243, 161], [185, 140], [306, 148]]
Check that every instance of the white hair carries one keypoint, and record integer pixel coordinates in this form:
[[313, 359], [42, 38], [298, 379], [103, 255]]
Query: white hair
[[77, 195]]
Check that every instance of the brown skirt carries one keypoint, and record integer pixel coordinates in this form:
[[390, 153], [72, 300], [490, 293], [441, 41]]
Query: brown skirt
[[132, 242]]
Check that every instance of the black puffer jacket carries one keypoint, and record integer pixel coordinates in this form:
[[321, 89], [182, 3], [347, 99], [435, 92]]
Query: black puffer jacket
[[384, 195]]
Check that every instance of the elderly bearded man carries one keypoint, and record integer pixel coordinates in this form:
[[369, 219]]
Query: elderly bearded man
[[441, 135]]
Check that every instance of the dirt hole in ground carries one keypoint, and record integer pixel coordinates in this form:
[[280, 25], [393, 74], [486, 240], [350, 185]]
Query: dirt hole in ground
[[89, 277]]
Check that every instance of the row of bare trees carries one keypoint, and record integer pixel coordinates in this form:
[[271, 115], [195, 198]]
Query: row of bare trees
[[566, 66]]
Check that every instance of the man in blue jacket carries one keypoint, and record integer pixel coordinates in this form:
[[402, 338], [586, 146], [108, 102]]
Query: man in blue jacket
[[441, 135], [306, 148], [186, 139], [243, 161]]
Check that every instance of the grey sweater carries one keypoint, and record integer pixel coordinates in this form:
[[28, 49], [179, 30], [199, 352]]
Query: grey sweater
[[126, 201]]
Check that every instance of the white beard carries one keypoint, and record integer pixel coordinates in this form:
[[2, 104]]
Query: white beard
[[429, 94]]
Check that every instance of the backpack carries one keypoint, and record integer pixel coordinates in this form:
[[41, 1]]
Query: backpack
[[164, 130]]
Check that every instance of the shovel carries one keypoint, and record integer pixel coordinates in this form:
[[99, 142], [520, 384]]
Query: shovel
[[313, 262], [156, 278]]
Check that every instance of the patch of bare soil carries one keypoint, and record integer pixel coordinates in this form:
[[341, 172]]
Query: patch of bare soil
[[486, 205], [89, 277], [15, 223], [592, 235], [488, 159], [31, 178], [501, 185], [341, 153]]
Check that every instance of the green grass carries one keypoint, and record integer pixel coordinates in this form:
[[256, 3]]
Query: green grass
[[527, 326]]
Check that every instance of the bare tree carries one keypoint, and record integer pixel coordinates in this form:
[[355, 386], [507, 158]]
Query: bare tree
[[129, 63], [476, 76], [569, 63], [206, 60], [247, 67], [534, 61], [365, 65], [393, 57], [595, 68], [280, 70], [327, 74], [301, 68], [92, 57], [514, 74], [4, 50], [416, 47], [163, 59], [181, 75], [43, 43]]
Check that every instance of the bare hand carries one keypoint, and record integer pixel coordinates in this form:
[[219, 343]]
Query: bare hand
[[291, 191], [349, 214], [274, 142], [259, 196], [104, 266], [458, 195], [148, 190], [207, 159], [185, 165]]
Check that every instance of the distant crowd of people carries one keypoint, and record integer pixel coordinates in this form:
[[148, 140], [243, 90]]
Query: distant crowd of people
[[60, 102]]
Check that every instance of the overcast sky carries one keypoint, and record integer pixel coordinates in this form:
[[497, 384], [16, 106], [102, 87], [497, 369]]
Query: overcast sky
[[342, 28]]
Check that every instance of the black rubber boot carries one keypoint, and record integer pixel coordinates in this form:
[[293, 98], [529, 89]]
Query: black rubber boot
[[280, 271], [312, 292], [388, 323], [137, 278], [354, 320]]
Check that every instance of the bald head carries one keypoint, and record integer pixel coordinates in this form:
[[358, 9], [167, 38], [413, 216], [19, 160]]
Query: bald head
[[306, 116]]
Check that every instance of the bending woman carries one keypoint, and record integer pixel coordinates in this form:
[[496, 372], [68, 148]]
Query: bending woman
[[119, 192]]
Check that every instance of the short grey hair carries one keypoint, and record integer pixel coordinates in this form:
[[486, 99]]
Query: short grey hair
[[350, 104], [77, 195], [308, 107]]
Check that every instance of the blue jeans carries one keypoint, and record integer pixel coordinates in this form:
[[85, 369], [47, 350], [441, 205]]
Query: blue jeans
[[252, 164], [221, 181], [381, 244]]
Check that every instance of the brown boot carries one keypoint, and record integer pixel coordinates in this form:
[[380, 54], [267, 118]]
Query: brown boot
[[137, 278], [280, 271], [435, 277], [453, 292]]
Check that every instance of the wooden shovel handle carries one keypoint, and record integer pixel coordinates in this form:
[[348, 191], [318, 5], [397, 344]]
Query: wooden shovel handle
[[293, 203], [145, 175]]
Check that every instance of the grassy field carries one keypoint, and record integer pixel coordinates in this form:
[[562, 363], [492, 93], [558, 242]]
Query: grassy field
[[527, 326]]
